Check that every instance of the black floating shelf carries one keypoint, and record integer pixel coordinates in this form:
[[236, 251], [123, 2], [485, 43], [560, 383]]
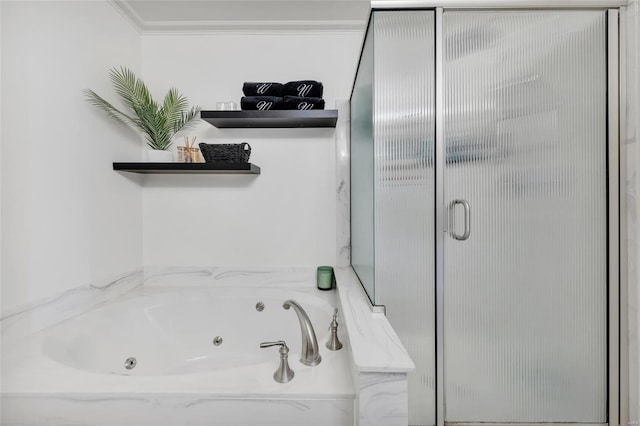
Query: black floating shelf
[[271, 119], [188, 168]]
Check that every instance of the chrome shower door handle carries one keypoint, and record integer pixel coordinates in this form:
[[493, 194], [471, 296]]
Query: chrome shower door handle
[[467, 219]]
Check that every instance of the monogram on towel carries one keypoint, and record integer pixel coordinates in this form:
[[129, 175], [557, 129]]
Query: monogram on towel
[[304, 89], [303, 103], [261, 103], [262, 89]]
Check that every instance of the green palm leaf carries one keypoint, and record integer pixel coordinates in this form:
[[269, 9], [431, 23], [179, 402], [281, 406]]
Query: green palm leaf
[[94, 99], [184, 122], [159, 123]]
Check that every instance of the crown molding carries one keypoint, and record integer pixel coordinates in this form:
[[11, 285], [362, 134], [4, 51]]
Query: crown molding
[[128, 13], [196, 27], [239, 27], [497, 4]]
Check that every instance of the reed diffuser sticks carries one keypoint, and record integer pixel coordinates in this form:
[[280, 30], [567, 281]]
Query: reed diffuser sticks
[[189, 153]]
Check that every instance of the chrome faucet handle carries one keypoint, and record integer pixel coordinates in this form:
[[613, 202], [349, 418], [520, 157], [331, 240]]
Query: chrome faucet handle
[[281, 343], [284, 373], [333, 344], [334, 321]]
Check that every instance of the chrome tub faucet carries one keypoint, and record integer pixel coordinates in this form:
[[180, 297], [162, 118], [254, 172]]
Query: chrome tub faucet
[[310, 354], [284, 373]]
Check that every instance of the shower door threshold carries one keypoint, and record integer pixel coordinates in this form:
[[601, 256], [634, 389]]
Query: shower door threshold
[[521, 424]]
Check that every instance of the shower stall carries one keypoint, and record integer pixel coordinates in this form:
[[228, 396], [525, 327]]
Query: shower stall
[[485, 206]]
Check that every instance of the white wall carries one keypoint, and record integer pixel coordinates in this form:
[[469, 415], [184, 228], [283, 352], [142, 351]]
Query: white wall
[[67, 218], [0, 166], [632, 121], [286, 215]]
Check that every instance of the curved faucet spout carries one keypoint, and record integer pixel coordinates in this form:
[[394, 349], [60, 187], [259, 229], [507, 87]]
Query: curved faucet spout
[[310, 354]]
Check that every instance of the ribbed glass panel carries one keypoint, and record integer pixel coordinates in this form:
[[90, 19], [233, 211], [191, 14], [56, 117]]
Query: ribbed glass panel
[[362, 169], [404, 125], [526, 294]]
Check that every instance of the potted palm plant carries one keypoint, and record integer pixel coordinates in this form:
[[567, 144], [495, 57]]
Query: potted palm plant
[[158, 122]]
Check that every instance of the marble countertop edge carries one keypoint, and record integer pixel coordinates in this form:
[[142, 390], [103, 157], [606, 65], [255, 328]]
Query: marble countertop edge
[[100, 395], [375, 345]]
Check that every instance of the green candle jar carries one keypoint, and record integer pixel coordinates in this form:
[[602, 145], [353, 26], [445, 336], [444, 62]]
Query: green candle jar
[[325, 278]]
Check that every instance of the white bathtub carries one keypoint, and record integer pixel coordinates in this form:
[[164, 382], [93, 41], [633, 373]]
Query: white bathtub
[[171, 332], [74, 372]]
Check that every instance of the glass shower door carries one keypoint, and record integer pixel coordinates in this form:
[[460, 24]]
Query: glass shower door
[[404, 140], [525, 276]]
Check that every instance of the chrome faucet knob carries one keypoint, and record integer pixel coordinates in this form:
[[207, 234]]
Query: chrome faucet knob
[[281, 343], [284, 373], [333, 344]]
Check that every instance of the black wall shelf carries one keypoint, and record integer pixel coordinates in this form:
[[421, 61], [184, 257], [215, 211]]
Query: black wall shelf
[[188, 168], [271, 119]]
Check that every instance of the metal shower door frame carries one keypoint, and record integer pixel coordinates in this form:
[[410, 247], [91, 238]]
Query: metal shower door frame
[[617, 365]]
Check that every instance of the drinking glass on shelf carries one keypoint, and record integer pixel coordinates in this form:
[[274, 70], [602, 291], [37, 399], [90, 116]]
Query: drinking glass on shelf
[[226, 106], [194, 155], [184, 156]]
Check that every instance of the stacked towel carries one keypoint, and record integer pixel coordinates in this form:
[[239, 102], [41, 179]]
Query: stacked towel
[[299, 95], [262, 89], [303, 103], [261, 103], [303, 89]]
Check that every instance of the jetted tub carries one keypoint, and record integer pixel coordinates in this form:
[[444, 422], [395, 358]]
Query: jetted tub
[[197, 361], [169, 332]]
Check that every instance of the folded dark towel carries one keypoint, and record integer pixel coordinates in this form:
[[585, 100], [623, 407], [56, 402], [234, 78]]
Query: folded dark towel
[[262, 89], [303, 88], [261, 103], [301, 103]]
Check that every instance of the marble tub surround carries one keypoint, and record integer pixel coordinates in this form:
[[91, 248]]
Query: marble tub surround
[[38, 389], [375, 345], [141, 409], [362, 384], [185, 276], [343, 184], [380, 361], [31, 318], [382, 399]]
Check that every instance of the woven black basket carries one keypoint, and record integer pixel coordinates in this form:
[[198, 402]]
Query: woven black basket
[[226, 152]]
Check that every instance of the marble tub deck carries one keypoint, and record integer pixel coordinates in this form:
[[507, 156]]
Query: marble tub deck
[[363, 385]]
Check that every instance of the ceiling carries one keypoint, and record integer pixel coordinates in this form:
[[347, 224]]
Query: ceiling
[[230, 15]]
